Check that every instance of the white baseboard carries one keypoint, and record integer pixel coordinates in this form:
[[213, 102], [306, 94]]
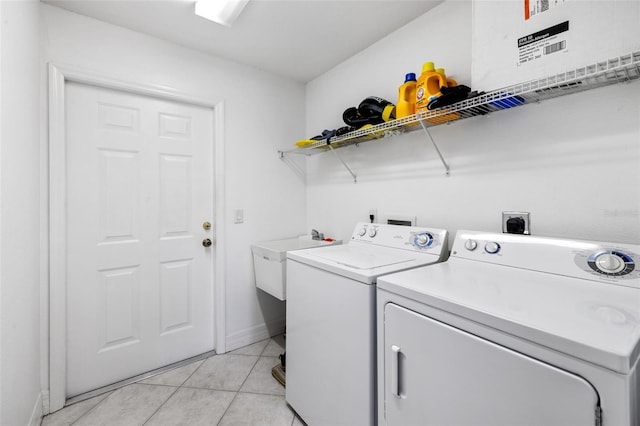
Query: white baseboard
[[46, 406], [36, 414], [254, 334]]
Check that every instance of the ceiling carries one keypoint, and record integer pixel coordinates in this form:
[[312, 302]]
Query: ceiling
[[299, 39]]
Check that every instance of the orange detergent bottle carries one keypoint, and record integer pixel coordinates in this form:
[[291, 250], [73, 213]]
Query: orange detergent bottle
[[407, 97], [428, 86], [443, 118], [450, 82]]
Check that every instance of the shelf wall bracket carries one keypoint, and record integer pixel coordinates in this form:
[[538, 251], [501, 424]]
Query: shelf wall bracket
[[292, 165], [444, 163], [355, 178]]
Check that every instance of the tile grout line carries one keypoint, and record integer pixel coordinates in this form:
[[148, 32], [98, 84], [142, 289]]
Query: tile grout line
[[194, 371], [137, 378], [182, 386], [174, 392], [227, 390], [238, 392], [161, 405], [90, 409], [243, 382]]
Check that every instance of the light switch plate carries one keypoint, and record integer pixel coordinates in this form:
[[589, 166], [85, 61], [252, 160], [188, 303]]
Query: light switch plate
[[238, 216]]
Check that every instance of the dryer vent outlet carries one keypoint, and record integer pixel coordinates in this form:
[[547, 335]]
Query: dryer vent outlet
[[516, 223]]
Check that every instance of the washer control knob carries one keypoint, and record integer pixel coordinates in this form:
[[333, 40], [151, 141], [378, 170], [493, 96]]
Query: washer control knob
[[610, 263], [492, 247], [470, 245], [362, 231], [373, 232], [423, 240]]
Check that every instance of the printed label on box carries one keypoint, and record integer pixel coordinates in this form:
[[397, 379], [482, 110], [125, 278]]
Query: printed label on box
[[536, 7], [539, 44]]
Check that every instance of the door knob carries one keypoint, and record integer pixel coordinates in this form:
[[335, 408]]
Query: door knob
[[206, 242]]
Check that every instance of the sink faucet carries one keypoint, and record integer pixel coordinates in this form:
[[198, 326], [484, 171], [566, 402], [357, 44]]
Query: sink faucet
[[315, 235]]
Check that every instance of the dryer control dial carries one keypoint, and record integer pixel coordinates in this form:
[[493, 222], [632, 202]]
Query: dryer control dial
[[470, 245], [423, 240], [492, 247], [611, 262], [362, 231], [373, 232]]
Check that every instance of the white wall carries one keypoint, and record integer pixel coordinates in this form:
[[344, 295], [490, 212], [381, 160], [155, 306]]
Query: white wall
[[262, 113], [573, 162], [20, 402]]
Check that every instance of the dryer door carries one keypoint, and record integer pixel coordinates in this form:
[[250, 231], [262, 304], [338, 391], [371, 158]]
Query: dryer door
[[436, 374]]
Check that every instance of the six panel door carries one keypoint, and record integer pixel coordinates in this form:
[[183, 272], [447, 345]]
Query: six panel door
[[139, 280]]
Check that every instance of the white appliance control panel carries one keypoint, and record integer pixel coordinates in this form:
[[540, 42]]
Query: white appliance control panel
[[402, 237], [614, 263]]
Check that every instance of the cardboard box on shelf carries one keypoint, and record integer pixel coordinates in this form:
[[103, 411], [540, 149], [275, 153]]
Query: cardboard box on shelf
[[521, 40]]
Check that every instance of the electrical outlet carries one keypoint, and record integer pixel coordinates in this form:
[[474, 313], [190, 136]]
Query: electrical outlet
[[373, 214], [516, 223]]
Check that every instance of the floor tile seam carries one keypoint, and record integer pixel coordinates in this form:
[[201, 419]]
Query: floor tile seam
[[265, 347], [271, 339], [161, 405], [234, 390], [254, 393], [177, 387], [194, 371], [90, 409], [192, 387], [243, 382], [295, 414], [268, 356], [156, 384], [229, 390], [211, 389], [227, 409], [241, 355], [140, 383], [152, 384], [262, 393]]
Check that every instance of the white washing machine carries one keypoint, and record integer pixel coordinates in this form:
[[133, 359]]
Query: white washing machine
[[512, 330], [331, 324]]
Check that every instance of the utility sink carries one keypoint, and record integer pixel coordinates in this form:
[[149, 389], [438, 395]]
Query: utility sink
[[270, 262]]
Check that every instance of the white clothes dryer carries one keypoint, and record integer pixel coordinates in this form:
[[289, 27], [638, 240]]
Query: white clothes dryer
[[331, 325], [512, 330]]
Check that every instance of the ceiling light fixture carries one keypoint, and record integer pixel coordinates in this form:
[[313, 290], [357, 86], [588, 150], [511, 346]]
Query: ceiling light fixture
[[223, 12]]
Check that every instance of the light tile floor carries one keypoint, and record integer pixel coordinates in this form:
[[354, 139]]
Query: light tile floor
[[231, 389]]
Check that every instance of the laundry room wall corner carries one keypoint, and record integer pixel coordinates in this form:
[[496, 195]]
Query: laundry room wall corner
[[20, 387]]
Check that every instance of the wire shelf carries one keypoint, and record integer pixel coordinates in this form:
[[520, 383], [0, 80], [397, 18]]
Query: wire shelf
[[616, 70]]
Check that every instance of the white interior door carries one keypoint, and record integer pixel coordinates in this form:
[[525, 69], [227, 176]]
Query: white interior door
[[139, 279], [436, 375]]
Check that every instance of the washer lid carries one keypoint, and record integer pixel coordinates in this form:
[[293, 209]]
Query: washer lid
[[363, 258], [596, 322], [362, 262]]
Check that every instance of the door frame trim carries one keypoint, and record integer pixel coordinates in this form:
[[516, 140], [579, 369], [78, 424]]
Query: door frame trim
[[59, 75]]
